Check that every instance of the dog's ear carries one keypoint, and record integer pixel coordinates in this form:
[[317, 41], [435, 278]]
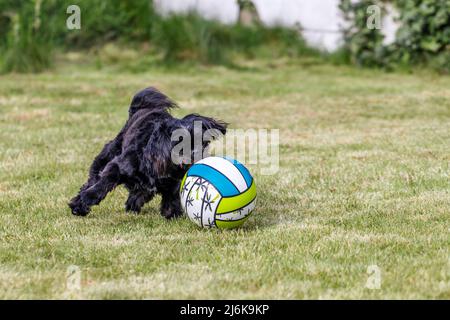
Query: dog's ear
[[202, 129], [216, 128], [157, 151]]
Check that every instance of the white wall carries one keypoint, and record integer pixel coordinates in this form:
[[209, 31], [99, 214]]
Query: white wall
[[321, 19], [225, 11]]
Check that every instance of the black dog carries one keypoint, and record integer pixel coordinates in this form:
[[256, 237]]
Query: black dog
[[140, 157]]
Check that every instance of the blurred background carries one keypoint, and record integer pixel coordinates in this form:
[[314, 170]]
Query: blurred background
[[409, 33]]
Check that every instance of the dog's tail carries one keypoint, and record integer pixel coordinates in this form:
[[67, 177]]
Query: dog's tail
[[150, 98]]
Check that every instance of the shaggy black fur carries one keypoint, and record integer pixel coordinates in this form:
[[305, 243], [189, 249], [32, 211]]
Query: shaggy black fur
[[140, 157]]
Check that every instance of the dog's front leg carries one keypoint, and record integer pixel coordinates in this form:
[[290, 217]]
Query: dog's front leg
[[109, 179], [109, 151], [170, 203], [138, 196]]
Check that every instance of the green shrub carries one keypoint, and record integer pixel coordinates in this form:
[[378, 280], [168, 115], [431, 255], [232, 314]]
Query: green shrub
[[190, 37], [178, 37], [424, 33], [423, 37], [364, 45], [32, 29], [24, 47], [105, 21]]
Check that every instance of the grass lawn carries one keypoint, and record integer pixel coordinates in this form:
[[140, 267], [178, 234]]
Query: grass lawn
[[363, 180]]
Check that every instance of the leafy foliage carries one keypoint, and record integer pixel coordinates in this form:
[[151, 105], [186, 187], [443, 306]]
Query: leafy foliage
[[422, 38], [424, 33], [364, 45]]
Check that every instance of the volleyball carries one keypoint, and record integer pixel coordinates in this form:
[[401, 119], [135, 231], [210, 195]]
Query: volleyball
[[218, 192]]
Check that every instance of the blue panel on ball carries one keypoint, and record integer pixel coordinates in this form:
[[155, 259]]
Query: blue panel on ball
[[243, 170], [222, 184]]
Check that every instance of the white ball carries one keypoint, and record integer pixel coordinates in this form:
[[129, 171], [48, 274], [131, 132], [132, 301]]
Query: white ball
[[218, 192]]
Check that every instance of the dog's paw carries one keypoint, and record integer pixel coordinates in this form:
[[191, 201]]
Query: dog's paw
[[133, 205], [171, 212], [78, 207]]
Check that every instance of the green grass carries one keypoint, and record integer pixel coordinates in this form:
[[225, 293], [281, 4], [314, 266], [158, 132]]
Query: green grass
[[363, 180]]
